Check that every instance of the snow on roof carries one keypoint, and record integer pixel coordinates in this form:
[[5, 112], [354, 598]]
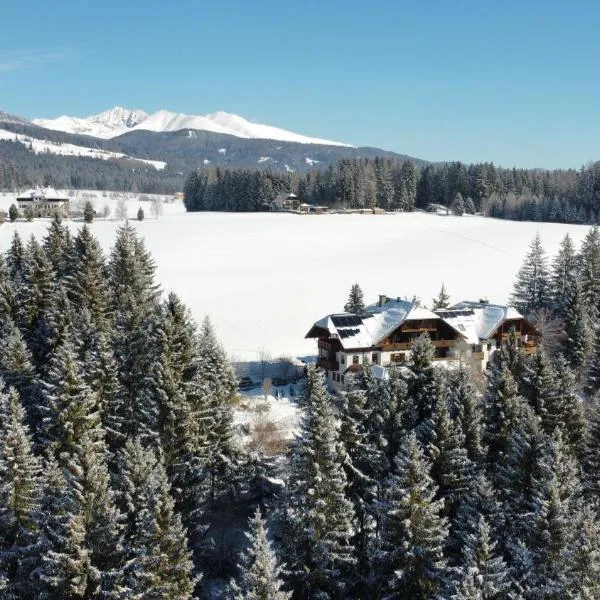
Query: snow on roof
[[371, 328], [46, 193], [478, 320]]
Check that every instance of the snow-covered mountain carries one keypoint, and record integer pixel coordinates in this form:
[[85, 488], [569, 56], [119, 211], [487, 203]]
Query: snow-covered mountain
[[107, 124], [119, 120]]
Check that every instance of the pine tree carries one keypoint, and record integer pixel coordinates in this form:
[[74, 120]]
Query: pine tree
[[466, 405], [88, 212], [57, 245], [87, 281], [592, 375], [564, 273], [157, 562], [13, 213], [218, 386], [16, 368], [66, 570], [356, 303], [259, 572], [318, 516], [532, 289], [458, 205], [555, 512], [413, 532], [589, 271], [423, 381], [442, 300], [6, 292], [591, 459], [584, 557], [484, 572], [365, 466], [20, 500], [140, 214], [577, 330]]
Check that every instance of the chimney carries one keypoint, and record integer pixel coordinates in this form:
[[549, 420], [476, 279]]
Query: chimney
[[382, 299], [483, 301]]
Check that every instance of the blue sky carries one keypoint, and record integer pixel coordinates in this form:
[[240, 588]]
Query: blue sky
[[515, 82]]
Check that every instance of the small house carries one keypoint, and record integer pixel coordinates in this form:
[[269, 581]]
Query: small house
[[285, 202], [43, 202]]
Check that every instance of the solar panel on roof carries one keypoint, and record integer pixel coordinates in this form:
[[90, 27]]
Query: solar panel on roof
[[346, 321]]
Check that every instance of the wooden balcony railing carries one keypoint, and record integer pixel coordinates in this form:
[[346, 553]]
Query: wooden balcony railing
[[328, 365]]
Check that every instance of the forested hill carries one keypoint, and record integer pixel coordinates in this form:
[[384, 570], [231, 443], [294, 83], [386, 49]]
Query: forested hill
[[183, 151], [565, 196]]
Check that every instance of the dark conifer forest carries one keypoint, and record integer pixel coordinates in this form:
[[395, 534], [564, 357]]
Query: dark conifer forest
[[562, 196], [122, 474]]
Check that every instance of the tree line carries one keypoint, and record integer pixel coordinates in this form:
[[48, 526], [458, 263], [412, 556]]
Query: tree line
[[565, 196]]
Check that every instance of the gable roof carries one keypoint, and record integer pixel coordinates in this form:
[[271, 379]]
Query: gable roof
[[478, 320], [47, 193], [372, 327]]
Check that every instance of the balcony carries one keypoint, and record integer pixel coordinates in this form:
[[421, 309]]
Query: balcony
[[327, 364]]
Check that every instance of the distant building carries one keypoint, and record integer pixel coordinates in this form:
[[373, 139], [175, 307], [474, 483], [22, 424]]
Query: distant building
[[43, 202], [383, 336], [285, 201]]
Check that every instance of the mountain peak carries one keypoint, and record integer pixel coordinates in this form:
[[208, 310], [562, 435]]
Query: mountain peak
[[118, 120]]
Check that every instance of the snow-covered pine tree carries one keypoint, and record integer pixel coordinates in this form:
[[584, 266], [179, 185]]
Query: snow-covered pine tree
[[592, 374], [584, 557], [218, 387], [16, 367], [260, 574], [67, 407], [318, 516], [458, 205], [34, 294], [577, 329], [556, 513], [540, 386], [87, 280], [365, 466], [66, 570], [451, 469], [15, 258], [423, 380], [57, 245], [356, 303], [157, 562], [589, 272], [413, 533], [484, 574], [564, 273], [466, 405], [532, 288], [591, 459], [6, 292], [21, 489], [565, 411], [503, 409], [442, 300]]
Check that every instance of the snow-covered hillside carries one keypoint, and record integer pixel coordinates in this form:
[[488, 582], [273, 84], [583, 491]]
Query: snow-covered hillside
[[40, 146], [264, 278], [119, 120]]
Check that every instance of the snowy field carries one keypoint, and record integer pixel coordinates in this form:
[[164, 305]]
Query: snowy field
[[264, 278]]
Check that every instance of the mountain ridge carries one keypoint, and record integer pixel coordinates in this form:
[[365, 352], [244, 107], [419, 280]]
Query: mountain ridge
[[118, 121]]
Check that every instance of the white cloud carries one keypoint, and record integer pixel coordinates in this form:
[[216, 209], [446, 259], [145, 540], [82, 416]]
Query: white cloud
[[25, 59]]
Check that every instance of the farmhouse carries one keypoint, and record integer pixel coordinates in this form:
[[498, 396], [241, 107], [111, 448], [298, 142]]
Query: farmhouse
[[43, 202], [384, 334], [285, 201]]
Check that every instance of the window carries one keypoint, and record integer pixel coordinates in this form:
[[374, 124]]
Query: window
[[398, 357], [489, 347], [343, 359], [355, 359], [375, 358], [342, 379]]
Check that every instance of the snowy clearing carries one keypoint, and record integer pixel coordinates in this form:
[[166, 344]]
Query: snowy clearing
[[264, 278], [41, 146]]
